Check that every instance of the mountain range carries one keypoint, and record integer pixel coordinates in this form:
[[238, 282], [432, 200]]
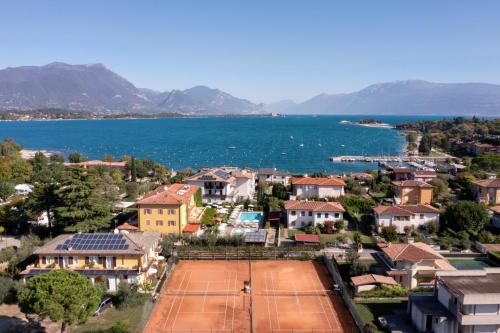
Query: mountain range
[[96, 89]]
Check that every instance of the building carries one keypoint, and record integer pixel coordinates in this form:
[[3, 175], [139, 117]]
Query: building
[[224, 184], [413, 264], [401, 174], [107, 258], [412, 192], [371, 281], [88, 165], [40, 219], [495, 216], [308, 187], [23, 189], [307, 239], [477, 148], [304, 213], [168, 209], [487, 191], [401, 216], [424, 175], [272, 175], [465, 301]]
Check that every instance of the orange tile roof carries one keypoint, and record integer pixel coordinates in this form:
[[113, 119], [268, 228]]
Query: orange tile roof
[[413, 252], [367, 279], [175, 194], [191, 228], [495, 182], [126, 226], [316, 206], [495, 209], [425, 173], [401, 170], [412, 183], [405, 209], [307, 238], [318, 181]]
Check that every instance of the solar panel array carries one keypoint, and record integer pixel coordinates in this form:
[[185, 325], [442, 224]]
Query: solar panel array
[[222, 174], [95, 242], [256, 237], [207, 177]]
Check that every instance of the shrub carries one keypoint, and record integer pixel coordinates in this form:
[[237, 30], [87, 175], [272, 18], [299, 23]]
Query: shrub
[[119, 327], [386, 291], [389, 233], [128, 295], [8, 290], [359, 267], [340, 225], [208, 216]]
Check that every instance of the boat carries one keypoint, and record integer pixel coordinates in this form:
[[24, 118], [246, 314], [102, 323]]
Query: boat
[[342, 145], [301, 145], [231, 147], [283, 153]]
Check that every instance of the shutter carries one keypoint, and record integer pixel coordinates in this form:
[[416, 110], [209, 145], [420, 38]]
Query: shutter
[[70, 260], [44, 260], [87, 260], [114, 262], [104, 262]]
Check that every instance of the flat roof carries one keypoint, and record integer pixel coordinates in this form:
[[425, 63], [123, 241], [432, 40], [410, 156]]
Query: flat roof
[[467, 285]]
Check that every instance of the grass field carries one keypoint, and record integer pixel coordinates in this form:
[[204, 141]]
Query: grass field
[[373, 308], [129, 316]]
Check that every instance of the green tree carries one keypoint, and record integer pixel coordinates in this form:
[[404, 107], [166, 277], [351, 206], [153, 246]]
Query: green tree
[[440, 189], [389, 233], [161, 173], [425, 144], [280, 191], [9, 147], [108, 158], [40, 165], [6, 189], [76, 158], [43, 199], [465, 215], [63, 296]]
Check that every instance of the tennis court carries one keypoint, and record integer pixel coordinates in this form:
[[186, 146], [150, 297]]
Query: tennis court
[[287, 297]]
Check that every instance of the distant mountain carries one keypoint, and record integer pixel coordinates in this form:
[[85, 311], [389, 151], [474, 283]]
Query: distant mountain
[[204, 100], [94, 88], [281, 106], [408, 97]]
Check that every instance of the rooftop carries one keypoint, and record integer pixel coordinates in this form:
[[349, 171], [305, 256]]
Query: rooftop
[[484, 281], [405, 210], [495, 209], [495, 182], [412, 252], [412, 183], [307, 238], [372, 279], [315, 206], [175, 194], [318, 181], [191, 228]]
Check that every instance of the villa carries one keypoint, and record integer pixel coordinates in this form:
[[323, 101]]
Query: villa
[[308, 187], [412, 264], [401, 216], [106, 258], [463, 301], [224, 184], [412, 192], [487, 191], [272, 175], [168, 209], [304, 213]]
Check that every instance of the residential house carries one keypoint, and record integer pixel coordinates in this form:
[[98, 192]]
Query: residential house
[[168, 209], [401, 216], [495, 216], [224, 184], [413, 264], [371, 281], [477, 148], [465, 301], [303, 213], [424, 175], [272, 175], [308, 187], [412, 192], [107, 258], [487, 191], [401, 174], [307, 239]]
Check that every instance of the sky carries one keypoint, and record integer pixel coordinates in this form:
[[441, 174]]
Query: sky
[[264, 51]]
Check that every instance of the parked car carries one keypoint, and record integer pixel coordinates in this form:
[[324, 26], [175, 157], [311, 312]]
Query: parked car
[[105, 303], [382, 323]]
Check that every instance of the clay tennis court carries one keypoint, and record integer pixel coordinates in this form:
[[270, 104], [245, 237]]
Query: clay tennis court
[[287, 297]]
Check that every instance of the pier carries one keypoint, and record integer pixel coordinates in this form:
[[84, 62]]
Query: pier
[[384, 159]]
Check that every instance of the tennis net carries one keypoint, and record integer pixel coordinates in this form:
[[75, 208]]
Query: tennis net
[[203, 293]]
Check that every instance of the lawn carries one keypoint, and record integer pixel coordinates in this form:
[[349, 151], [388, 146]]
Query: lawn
[[129, 316], [369, 310]]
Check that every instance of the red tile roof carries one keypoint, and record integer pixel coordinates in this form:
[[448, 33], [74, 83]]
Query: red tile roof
[[495, 209], [367, 279], [126, 226], [315, 206], [412, 183], [307, 238], [318, 181], [405, 209], [401, 170], [425, 173], [413, 252], [495, 182], [191, 228], [175, 194]]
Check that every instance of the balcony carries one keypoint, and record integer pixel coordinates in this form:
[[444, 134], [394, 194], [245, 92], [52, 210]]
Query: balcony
[[471, 319]]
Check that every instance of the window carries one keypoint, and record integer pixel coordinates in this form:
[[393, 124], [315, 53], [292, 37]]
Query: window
[[75, 260], [47, 260], [318, 215], [147, 211], [171, 223], [159, 222], [302, 213], [160, 211], [148, 222], [294, 213], [337, 215], [421, 216], [171, 211], [326, 215], [310, 213]]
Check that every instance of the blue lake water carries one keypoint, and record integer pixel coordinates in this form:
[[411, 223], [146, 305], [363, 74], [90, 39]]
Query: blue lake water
[[294, 143]]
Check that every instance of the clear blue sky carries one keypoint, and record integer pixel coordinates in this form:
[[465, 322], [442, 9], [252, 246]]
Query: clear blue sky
[[261, 50]]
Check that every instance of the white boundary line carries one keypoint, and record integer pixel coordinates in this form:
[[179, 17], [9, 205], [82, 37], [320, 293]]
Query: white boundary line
[[173, 302], [182, 300]]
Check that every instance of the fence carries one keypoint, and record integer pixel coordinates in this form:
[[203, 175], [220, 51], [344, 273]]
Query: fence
[[222, 330], [241, 254], [331, 265], [156, 294]]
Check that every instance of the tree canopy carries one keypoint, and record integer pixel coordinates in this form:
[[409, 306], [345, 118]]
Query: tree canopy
[[467, 216]]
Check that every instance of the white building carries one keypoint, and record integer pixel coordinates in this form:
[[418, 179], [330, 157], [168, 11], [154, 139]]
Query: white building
[[495, 216], [304, 213], [272, 175], [308, 187], [23, 189], [40, 219], [401, 216], [224, 184], [465, 301]]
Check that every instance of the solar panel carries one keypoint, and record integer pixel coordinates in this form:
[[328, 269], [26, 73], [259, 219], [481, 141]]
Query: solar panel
[[222, 174], [95, 242], [256, 237]]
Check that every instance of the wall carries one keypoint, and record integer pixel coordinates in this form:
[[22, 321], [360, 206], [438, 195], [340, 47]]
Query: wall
[[165, 229], [128, 261], [307, 219]]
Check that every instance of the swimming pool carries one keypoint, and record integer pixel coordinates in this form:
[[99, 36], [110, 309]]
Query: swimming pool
[[470, 263], [249, 217]]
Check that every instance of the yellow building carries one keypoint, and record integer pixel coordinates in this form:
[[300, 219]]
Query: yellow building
[[168, 209], [413, 192], [107, 258], [487, 191]]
